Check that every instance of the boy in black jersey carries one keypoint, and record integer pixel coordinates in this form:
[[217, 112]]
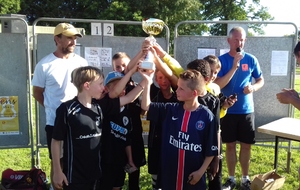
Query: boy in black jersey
[[122, 63], [116, 134], [82, 169], [78, 126]]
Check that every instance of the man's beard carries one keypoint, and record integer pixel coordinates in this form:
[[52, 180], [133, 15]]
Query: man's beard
[[67, 50]]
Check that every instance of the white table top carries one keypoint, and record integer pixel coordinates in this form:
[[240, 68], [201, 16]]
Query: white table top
[[285, 127]]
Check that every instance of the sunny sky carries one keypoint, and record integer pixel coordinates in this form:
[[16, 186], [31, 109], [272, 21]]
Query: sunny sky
[[283, 11]]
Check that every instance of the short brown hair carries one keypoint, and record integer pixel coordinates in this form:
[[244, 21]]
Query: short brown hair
[[195, 81], [120, 55], [213, 60], [201, 66], [85, 74]]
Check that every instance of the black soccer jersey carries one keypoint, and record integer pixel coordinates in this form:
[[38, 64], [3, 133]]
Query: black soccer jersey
[[80, 129], [137, 141], [136, 134], [213, 104], [115, 132]]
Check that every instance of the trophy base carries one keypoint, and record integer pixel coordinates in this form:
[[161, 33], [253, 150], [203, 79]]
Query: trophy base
[[149, 65]]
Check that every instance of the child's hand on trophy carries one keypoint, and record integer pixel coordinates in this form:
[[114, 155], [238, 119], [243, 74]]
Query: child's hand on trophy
[[159, 50], [147, 73], [146, 46]]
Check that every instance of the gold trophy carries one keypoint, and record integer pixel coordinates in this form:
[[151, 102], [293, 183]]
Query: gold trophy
[[151, 26]]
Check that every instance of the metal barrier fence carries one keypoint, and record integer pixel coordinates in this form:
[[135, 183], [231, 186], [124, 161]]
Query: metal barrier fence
[[15, 94], [43, 44], [16, 77], [267, 108]]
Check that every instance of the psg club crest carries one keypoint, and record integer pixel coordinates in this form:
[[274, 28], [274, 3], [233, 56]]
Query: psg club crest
[[200, 125]]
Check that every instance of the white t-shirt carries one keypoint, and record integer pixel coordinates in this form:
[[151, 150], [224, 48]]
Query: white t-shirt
[[54, 75]]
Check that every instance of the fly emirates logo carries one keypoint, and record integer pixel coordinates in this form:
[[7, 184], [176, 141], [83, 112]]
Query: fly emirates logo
[[181, 142]]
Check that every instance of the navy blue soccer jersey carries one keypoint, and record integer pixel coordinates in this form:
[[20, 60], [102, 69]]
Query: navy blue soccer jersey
[[187, 138]]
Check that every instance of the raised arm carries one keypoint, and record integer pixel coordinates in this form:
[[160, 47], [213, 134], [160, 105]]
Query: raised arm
[[122, 83], [224, 80], [172, 63], [139, 56], [166, 71], [147, 75], [133, 94]]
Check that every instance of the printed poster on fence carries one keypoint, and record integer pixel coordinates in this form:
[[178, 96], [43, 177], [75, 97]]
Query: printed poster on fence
[[98, 57], [203, 52], [145, 124], [279, 63], [9, 117]]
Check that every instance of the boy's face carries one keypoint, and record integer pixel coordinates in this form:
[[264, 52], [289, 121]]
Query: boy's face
[[120, 64], [96, 88], [214, 73], [183, 92], [162, 81], [110, 86]]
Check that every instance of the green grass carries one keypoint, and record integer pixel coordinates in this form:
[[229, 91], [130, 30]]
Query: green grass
[[262, 159]]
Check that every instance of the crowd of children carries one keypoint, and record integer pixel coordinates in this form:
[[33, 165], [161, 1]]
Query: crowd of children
[[94, 132], [101, 130]]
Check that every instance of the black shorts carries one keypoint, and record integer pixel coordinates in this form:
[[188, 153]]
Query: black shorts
[[113, 175], [154, 153], [49, 132], [238, 127]]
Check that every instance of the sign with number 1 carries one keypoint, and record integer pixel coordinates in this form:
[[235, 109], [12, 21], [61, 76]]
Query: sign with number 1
[[108, 29]]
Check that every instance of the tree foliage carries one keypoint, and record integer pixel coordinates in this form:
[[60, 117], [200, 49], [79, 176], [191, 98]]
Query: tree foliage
[[9, 6], [234, 10], [84, 9], [170, 11]]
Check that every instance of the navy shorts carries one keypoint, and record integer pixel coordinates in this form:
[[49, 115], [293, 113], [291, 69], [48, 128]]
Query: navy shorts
[[238, 127]]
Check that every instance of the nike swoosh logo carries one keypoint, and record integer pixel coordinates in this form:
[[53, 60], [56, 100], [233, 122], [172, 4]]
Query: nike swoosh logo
[[174, 118]]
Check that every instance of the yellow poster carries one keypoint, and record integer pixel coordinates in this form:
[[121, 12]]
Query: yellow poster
[[145, 125], [9, 119]]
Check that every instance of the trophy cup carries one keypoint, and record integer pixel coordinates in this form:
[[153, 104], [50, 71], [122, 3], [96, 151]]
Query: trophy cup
[[152, 27]]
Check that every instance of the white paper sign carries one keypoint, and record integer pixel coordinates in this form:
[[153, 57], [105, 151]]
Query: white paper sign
[[105, 57], [78, 49], [279, 63], [98, 57], [203, 52], [223, 51]]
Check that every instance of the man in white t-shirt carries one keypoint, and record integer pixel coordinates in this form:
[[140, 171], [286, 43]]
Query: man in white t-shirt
[[52, 75]]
